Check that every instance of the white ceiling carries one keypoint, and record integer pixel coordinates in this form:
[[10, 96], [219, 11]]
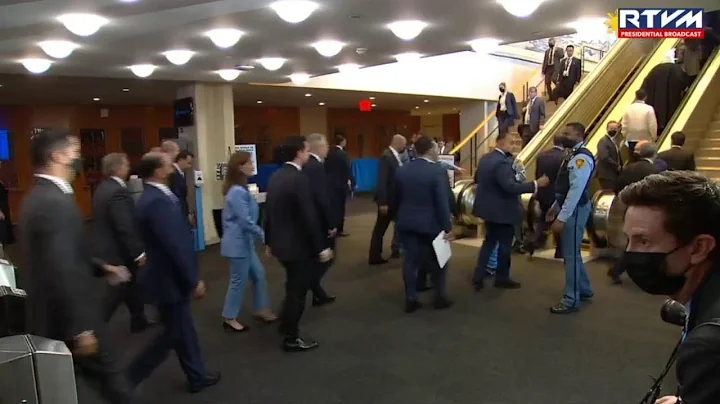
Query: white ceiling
[[139, 32], [56, 90]]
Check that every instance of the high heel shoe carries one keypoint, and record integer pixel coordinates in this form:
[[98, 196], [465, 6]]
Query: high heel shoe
[[228, 328]]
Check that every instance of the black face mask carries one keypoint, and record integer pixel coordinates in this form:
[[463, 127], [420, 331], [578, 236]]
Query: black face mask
[[502, 89], [612, 133], [568, 143], [647, 270], [551, 45]]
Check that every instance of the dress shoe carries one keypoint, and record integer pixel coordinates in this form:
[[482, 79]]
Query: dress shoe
[[230, 329], [299, 344], [560, 308], [141, 324], [508, 284], [412, 306], [210, 379], [323, 300], [380, 261], [615, 279], [442, 303]]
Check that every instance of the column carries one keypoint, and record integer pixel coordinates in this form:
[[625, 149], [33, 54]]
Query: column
[[314, 120], [211, 140]]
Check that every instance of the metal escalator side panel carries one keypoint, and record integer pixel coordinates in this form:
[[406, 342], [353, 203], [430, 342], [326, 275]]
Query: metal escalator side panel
[[590, 96]]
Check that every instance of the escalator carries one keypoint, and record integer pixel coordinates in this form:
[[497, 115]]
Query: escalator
[[698, 117], [603, 89]]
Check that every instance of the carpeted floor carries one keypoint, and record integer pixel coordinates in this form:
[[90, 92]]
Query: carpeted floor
[[493, 347]]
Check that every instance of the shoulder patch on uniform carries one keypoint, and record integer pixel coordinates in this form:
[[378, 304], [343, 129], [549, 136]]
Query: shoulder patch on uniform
[[579, 162]]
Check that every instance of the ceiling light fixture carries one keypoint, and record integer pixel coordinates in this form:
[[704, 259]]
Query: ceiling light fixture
[[407, 30], [144, 70], [348, 68], [125, 90], [485, 46], [408, 57], [272, 64], [372, 98], [308, 95], [179, 57], [426, 100], [259, 102], [36, 65], [416, 107], [58, 49], [520, 8], [294, 11], [83, 24], [228, 74], [373, 105], [328, 48], [299, 78], [321, 103], [96, 99], [224, 37]]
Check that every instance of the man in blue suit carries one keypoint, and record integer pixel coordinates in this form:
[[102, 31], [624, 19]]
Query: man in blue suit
[[506, 111], [171, 279], [533, 116], [497, 203], [423, 212]]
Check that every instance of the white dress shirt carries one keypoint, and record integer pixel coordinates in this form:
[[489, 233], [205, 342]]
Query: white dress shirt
[[639, 122], [61, 183], [316, 157], [177, 167], [502, 103], [294, 165], [527, 110]]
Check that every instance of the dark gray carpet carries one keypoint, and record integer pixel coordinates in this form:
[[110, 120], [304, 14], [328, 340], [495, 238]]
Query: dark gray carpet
[[494, 347]]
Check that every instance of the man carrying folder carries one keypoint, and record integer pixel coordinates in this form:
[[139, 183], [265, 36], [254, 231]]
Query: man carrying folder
[[423, 213]]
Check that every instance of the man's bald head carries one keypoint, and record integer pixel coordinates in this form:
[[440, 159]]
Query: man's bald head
[[171, 148], [398, 143], [646, 149], [155, 166]]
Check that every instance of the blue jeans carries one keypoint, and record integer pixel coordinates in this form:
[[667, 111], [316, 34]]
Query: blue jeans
[[577, 283], [240, 270]]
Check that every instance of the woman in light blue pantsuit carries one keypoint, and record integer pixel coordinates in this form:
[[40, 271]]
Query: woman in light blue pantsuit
[[240, 234]]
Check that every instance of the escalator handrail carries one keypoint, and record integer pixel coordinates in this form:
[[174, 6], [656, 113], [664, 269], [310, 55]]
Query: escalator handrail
[[482, 142]]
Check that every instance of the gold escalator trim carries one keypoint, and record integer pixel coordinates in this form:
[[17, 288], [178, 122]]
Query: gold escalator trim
[[697, 108]]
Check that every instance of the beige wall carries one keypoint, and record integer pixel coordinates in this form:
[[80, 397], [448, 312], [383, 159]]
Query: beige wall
[[313, 120], [432, 125]]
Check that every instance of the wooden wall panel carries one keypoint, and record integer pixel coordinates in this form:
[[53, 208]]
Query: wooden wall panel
[[451, 127], [266, 127], [368, 133]]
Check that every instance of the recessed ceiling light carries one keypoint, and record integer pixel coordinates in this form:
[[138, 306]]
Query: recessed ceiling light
[[426, 100], [374, 105], [407, 30], [259, 102], [328, 48], [58, 49], [83, 24], [321, 103], [143, 70], [308, 95], [294, 11], [224, 37], [299, 78], [125, 90], [179, 57], [96, 99], [272, 64], [228, 74], [36, 66], [372, 98], [416, 107]]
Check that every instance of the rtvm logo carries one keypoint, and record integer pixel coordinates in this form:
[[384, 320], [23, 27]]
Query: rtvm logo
[[660, 23]]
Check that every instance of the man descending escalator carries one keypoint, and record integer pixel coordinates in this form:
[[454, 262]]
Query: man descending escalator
[[570, 215], [569, 75]]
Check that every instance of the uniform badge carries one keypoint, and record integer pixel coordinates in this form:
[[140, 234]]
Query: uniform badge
[[579, 163]]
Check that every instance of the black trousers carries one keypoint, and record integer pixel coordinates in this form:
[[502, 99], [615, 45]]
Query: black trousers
[[527, 135], [505, 121], [299, 278], [549, 73], [130, 294], [100, 378], [340, 200], [376, 240]]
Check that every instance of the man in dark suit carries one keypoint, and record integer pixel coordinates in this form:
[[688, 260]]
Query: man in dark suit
[[569, 75], [64, 300], [295, 237], [423, 212], [533, 116], [115, 237], [340, 177], [388, 163], [645, 165], [314, 169], [610, 161], [547, 165], [506, 111], [178, 182], [171, 278], [498, 205], [678, 158], [550, 66]]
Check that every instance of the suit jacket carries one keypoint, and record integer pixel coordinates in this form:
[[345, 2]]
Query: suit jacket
[[678, 158], [548, 163], [178, 185], [114, 231], [497, 197], [635, 172], [510, 105], [239, 222], [63, 295], [551, 62], [292, 230], [609, 162], [171, 273], [314, 170], [535, 114], [422, 198], [385, 190], [639, 122], [339, 169], [574, 72]]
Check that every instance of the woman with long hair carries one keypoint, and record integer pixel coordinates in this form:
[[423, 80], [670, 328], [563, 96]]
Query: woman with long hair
[[240, 234]]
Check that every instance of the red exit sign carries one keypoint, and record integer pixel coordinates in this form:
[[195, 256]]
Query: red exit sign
[[365, 105]]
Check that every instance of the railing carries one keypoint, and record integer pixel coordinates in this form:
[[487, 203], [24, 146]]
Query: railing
[[471, 138]]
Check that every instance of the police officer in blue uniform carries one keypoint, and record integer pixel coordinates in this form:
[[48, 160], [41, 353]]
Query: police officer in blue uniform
[[569, 216]]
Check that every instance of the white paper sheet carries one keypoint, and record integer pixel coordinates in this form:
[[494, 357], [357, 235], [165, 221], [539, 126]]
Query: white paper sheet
[[443, 252]]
